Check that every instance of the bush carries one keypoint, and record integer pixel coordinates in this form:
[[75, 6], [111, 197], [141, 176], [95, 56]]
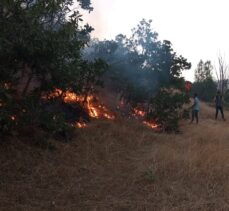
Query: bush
[[167, 107]]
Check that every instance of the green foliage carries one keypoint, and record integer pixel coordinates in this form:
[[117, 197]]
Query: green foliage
[[43, 41], [85, 4], [31, 114], [41, 45], [167, 106], [203, 71], [204, 85]]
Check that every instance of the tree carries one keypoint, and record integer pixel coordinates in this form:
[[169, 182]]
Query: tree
[[222, 74], [41, 46], [203, 71], [204, 84]]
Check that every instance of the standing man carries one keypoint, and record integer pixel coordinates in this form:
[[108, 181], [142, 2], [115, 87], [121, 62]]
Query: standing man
[[219, 105], [195, 109]]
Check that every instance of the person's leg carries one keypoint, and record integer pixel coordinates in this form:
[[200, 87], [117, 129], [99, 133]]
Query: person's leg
[[222, 114], [197, 117], [193, 115], [216, 112]]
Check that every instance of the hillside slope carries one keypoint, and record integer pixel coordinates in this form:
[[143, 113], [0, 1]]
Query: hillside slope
[[121, 165]]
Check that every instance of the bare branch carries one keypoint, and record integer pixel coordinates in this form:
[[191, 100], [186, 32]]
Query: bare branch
[[222, 73]]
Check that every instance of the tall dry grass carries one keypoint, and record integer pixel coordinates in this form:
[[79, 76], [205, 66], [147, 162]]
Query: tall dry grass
[[121, 165]]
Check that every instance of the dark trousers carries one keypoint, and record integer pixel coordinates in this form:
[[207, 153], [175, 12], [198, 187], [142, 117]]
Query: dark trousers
[[195, 115], [219, 108]]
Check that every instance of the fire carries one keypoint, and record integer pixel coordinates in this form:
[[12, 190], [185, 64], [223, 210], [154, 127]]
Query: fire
[[108, 116], [138, 112], [141, 113], [92, 109], [81, 124], [96, 109], [151, 124], [13, 118], [90, 103]]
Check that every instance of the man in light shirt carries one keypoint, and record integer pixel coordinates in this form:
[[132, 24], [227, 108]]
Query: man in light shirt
[[195, 109]]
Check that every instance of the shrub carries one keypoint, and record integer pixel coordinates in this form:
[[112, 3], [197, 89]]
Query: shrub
[[167, 106]]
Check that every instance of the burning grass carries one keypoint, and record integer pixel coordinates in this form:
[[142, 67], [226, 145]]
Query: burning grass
[[97, 110], [90, 103], [152, 124], [140, 113], [121, 165]]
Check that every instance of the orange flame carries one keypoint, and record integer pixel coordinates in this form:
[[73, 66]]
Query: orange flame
[[95, 109], [141, 113], [81, 124], [151, 124], [138, 112]]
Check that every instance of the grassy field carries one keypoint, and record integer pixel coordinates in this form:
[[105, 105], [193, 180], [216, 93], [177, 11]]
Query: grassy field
[[121, 165]]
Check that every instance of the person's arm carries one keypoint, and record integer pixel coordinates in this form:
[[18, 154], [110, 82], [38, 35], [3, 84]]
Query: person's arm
[[215, 100], [194, 103]]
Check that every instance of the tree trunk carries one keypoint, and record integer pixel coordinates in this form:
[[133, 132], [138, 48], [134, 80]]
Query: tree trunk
[[25, 90]]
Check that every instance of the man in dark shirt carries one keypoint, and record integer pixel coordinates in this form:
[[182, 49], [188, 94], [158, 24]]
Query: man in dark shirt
[[219, 105]]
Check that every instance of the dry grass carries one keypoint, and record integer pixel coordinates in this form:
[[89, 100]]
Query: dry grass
[[121, 165]]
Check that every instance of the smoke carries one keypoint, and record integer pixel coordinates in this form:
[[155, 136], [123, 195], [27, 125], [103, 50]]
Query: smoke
[[126, 73], [139, 64]]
